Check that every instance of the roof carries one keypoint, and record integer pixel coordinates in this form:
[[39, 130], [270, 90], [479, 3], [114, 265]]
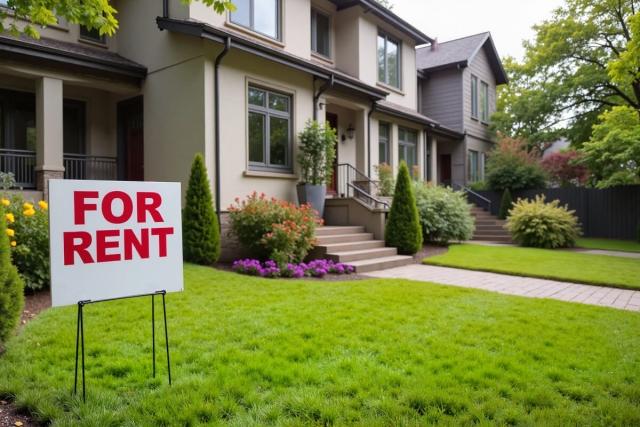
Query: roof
[[414, 116], [387, 16], [459, 53], [202, 30], [65, 53]]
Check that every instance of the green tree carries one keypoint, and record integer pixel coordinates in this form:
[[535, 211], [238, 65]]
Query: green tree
[[94, 14], [11, 286], [200, 230], [403, 229], [505, 204], [613, 153], [510, 165], [582, 62], [317, 152]]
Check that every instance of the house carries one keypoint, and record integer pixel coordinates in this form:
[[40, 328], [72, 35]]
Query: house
[[178, 79]]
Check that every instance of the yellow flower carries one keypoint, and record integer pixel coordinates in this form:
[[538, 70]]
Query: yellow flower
[[29, 212], [10, 217], [10, 232], [43, 205], [27, 206], [13, 243], [5, 202]]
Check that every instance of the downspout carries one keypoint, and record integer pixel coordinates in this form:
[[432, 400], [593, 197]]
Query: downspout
[[371, 111], [165, 8], [328, 84], [216, 97]]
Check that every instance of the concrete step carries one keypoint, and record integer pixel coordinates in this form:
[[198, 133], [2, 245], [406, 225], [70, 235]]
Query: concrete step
[[485, 229], [350, 246], [492, 238], [359, 255], [343, 238], [332, 230], [494, 221], [381, 263]]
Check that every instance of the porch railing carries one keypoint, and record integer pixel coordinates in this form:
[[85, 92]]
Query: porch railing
[[475, 198], [22, 164], [350, 182], [84, 166]]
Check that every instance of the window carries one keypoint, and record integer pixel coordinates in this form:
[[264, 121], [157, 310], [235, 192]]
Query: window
[[388, 60], [261, 16], [384, 155], [473, 166], [408, 147], [269, 121], [484, 102], [474, 97], [320, 33], [92, 34]]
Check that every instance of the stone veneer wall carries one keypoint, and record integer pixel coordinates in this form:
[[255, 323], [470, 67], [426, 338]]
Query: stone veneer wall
[[231, 248]]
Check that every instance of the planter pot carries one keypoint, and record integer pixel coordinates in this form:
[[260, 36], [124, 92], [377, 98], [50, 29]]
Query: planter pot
[[314, 195]]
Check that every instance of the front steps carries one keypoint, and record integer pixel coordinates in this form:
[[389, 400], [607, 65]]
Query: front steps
[[488, 227], [352, 245]]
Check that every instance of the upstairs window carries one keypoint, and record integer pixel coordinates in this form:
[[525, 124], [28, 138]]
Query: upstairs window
[[474, 97], [484, 102], [320, 33], [261, 16], [388, 60], [92, 35], [384, 155]]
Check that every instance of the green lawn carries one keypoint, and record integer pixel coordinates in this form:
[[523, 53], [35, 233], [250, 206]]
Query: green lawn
[[249, 351], [609, 244], [545, 263]]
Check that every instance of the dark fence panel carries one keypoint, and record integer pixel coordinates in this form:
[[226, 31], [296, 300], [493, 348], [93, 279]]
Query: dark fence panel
[[609, 213]]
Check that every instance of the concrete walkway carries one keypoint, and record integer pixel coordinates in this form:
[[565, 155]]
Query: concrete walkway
[[514, 285]]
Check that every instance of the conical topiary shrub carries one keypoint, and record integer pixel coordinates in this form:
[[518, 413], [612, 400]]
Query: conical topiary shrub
[[11, 286], [403, 229], [505, 204], [200, 230]]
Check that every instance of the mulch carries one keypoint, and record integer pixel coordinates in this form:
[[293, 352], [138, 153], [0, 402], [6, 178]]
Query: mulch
[[10, 416]]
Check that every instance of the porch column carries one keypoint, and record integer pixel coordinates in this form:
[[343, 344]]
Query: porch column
[[49, 136], [434, 160]]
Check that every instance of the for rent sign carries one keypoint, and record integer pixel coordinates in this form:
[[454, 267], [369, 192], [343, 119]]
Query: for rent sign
[[112, 239]]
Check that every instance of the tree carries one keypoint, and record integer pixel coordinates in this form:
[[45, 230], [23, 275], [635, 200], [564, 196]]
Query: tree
[[613, 153], [11, 286], [511, 165], [583, 61], [505, 204], [94, 14], [566, 169], [403, 230], [200, 231]]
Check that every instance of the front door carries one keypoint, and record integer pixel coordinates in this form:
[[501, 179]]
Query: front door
[[131, 140], [332, 119], [445, 169]]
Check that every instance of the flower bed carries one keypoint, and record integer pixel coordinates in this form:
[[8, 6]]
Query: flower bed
[[316, 268]]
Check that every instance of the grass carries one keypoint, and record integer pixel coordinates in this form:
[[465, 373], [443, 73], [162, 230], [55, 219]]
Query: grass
[[609, 244], [599, 270], [249, 351]]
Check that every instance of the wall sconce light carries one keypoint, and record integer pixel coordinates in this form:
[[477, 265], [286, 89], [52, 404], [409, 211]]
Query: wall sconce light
[[351, 132]]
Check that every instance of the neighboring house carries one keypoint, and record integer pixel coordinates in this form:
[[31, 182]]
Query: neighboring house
[[179, 79]]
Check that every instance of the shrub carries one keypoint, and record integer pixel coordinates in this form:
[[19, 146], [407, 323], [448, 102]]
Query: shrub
[[445, 214], [510, 165], [543, 225], [385, 180], [7, 181], [200, 229], [479, 186], [505, 204], [29, 231], [274, 229], [566, 168], [270, 269], [403, 229], [317, 152], [11, 286]]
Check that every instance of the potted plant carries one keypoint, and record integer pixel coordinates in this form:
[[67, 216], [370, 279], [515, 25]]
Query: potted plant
[[316, 156]]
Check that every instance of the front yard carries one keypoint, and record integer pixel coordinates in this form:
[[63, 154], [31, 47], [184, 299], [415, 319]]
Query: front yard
[[252, 351], [609, 244], [544, 263]]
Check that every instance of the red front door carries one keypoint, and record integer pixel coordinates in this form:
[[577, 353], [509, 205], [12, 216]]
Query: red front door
[[131, 129], [445, 169], [332, 119]]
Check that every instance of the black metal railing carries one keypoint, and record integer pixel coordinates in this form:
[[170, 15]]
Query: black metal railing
[[350, 182], [22, 164], [84, 166], [475, 198]]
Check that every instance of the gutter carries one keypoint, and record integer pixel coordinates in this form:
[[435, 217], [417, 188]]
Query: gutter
[[371, 111], [328, 85], [216, 96]]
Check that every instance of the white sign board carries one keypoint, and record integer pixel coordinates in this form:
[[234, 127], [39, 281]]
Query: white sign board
[[112, 239]]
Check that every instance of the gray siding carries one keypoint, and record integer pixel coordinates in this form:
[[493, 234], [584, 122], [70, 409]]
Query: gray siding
[[441, 98], [481, 68]]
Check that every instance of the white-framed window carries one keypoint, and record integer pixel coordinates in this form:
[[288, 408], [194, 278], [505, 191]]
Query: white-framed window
[[408, 147], [92, 35], [474, 97], [473, 166], [269, 130], [388, 60], [384, 144], [320, 33], [261, 16], [484, 102]]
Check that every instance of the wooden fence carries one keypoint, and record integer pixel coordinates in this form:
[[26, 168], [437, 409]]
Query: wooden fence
[[609, 213]]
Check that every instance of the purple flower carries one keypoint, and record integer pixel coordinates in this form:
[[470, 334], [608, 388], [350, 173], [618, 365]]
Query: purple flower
[[316, 268]]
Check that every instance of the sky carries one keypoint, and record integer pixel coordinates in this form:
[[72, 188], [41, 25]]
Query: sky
[[509, 21]]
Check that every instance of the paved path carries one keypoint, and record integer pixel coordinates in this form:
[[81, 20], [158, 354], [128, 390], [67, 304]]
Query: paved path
[[622, 254], [514, 285]]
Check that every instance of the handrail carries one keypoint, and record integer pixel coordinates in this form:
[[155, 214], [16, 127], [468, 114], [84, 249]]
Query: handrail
[[351, 182], [473, 193], [384, 204]]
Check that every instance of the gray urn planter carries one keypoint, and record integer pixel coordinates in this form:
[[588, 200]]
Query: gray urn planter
[[315, 195]]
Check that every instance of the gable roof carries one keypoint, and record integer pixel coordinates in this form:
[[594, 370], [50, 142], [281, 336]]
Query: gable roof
[[387, 16], [459, 53]]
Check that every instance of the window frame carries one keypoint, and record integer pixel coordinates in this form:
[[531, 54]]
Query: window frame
[[386, 141], [268, 113], [387, 38], [484, 101], [251, 26], [473, 177], [314, 32], [101, 39], [474, 97], [403, 144]]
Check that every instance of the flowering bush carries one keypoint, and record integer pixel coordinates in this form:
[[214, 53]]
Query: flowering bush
[[274, 229], [270, 269], [565, 168], [511, 165], [28, 231]]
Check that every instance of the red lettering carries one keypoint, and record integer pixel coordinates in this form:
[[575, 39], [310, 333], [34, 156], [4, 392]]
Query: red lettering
[[131, 241], [80, 207], [148, 202], [76, 242], [102, 244], [107, 207], [162, 233]]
